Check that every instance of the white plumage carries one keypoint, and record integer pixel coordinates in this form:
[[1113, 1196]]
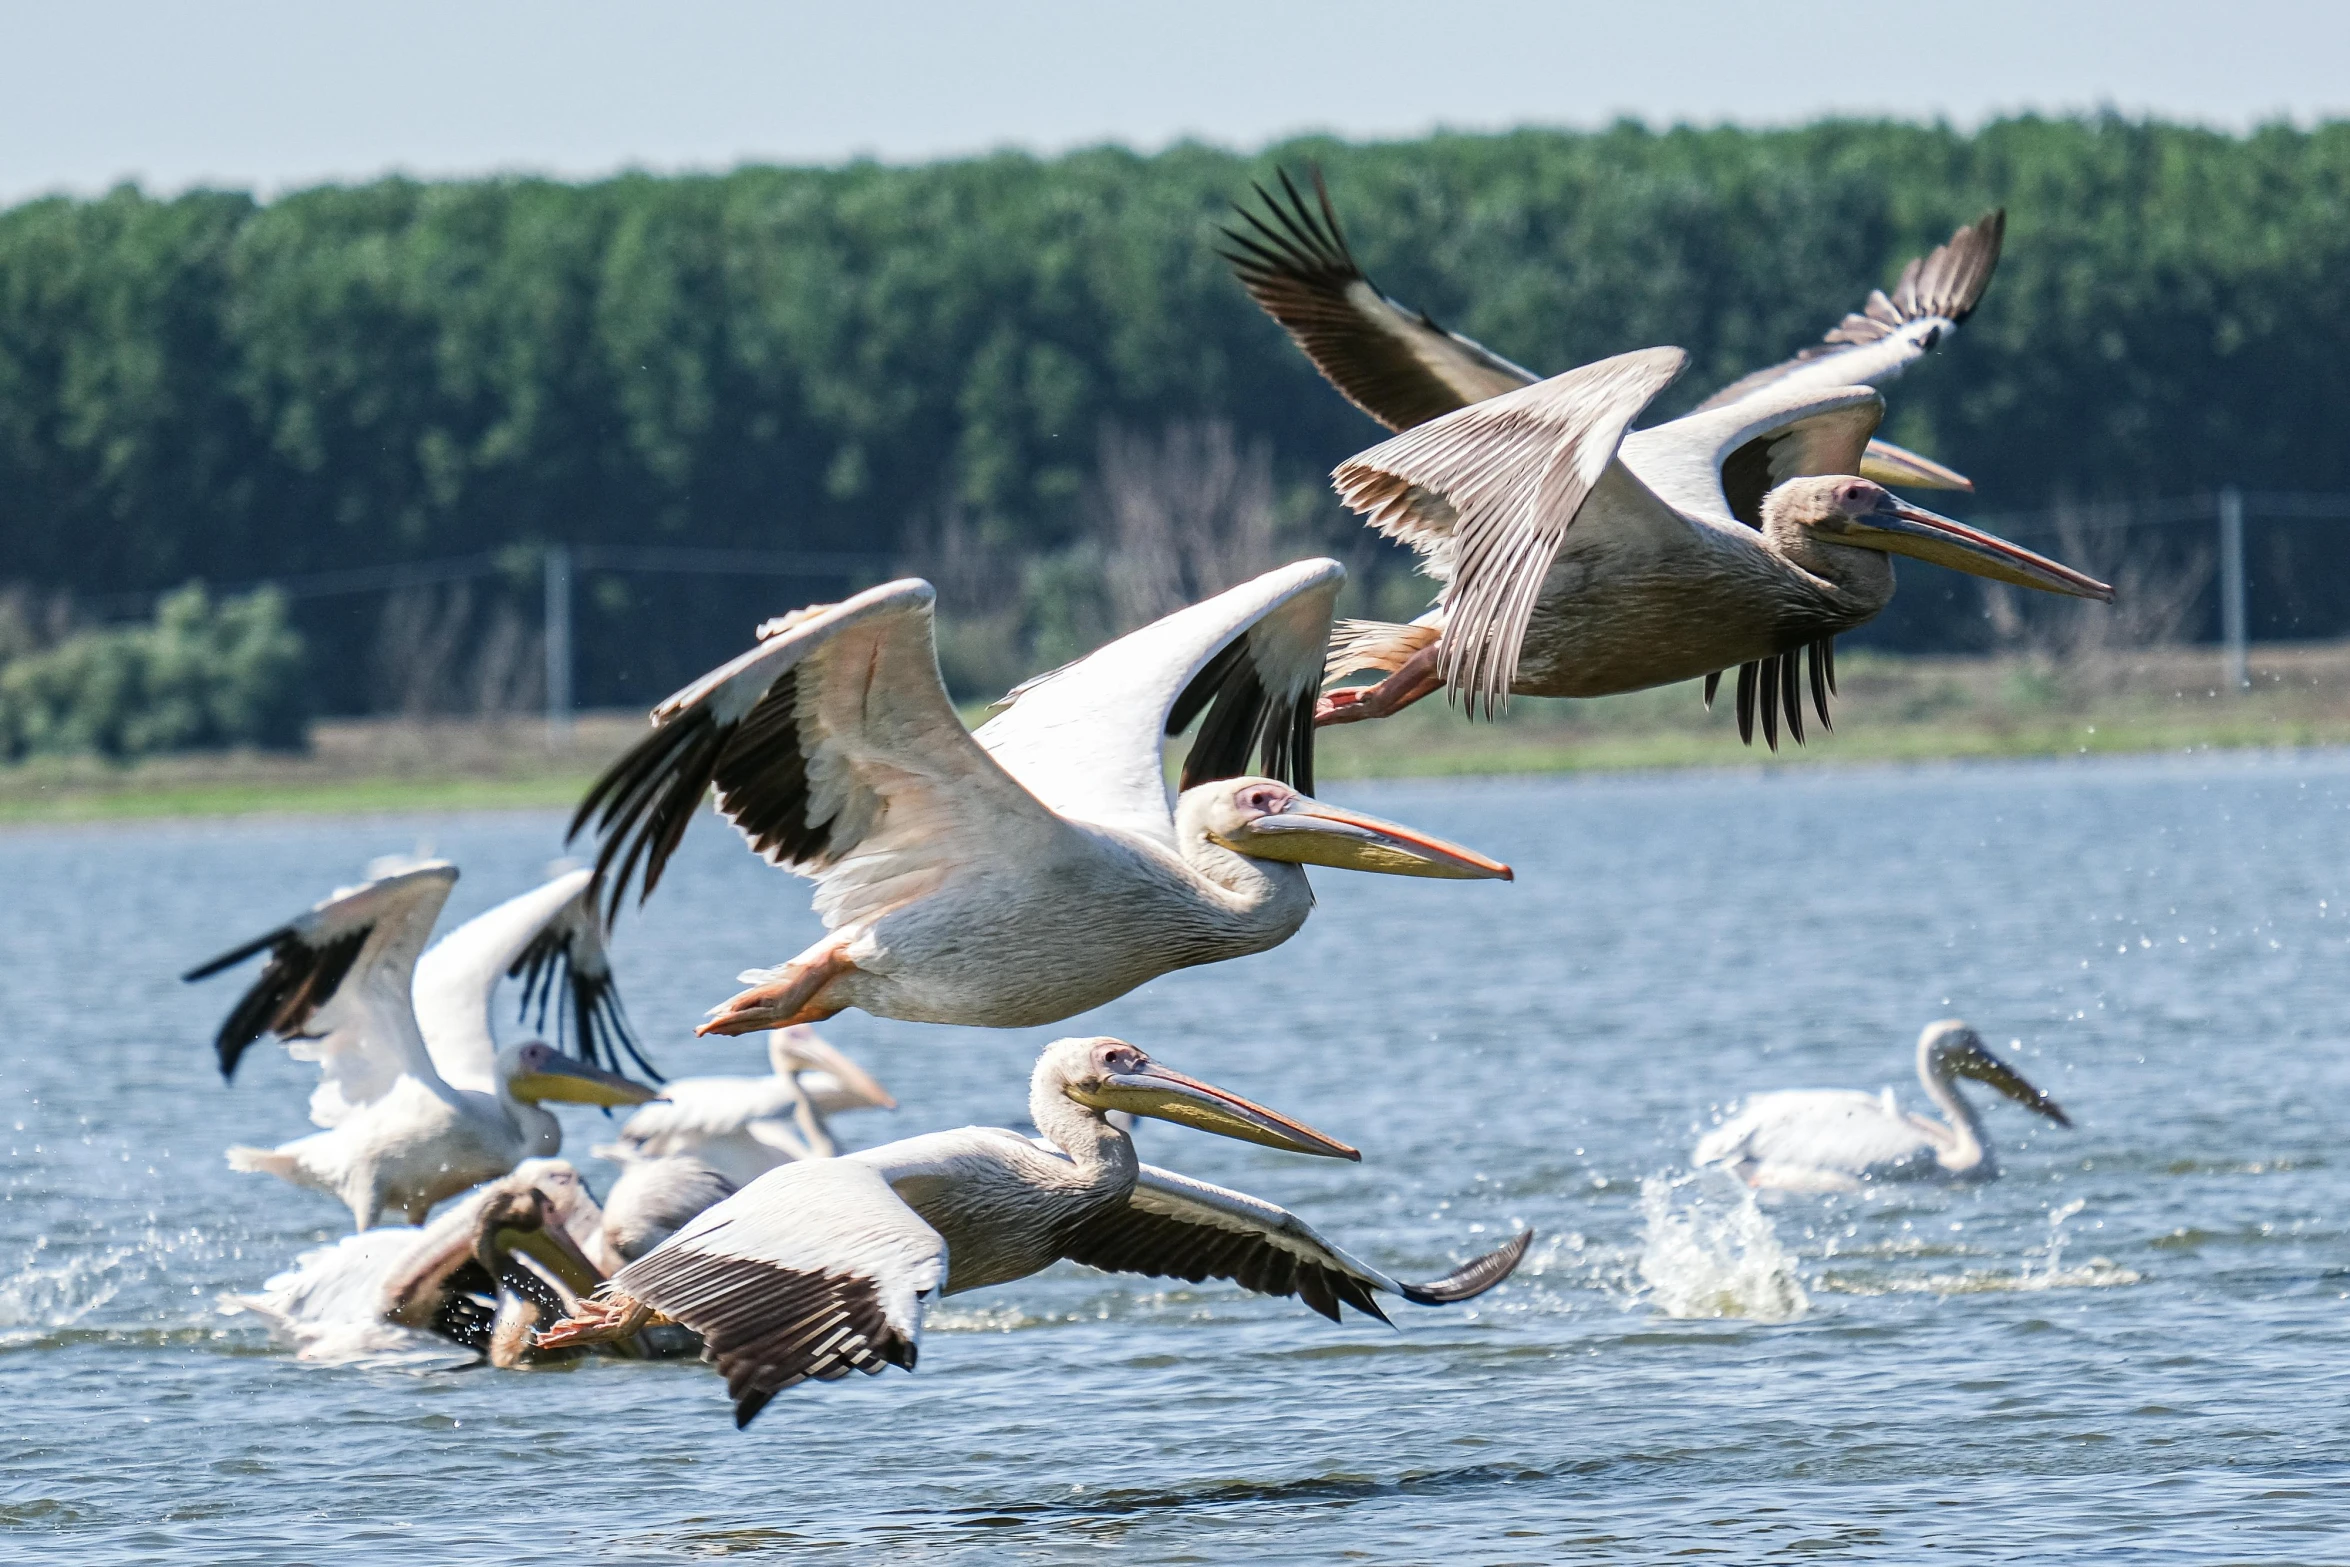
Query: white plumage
[[338, 988], [1820, 1140], [1033, 870], [821, 1268]]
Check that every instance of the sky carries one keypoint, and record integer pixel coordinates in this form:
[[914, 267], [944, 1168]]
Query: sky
[[270, 95]]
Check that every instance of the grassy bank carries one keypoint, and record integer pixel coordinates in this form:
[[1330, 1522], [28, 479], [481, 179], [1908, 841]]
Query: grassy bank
[[1889, 710]]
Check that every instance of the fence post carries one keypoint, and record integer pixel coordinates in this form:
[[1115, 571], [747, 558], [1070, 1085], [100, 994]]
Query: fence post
[[2232, 629], [558, 629]]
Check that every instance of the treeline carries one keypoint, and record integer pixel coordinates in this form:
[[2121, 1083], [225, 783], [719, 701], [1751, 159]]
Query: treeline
[[927, 362]]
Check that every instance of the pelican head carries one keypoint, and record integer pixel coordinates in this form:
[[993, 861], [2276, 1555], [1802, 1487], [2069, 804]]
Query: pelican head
[[1951, 1049], [1109, 1074], [1843, 509], [535, 1071], [1265, 820], [800, 1048]]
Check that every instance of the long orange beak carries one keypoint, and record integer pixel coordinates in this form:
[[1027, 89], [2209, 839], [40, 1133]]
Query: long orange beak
[[1311, 832]]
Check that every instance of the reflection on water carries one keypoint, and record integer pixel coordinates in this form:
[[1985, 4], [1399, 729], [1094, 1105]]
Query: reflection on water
[[2132, 1339]]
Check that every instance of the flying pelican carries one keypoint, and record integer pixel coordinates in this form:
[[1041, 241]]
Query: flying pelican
[[533, 1235], [1039, 867], [1833, 1139], [820, 1268], [1397, 365], [338, 988], [1580, 560]]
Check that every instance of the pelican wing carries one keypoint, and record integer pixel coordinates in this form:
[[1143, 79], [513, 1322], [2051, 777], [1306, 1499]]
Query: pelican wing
[[1871, 346], [811, 1271], [1387, 359], [833, 749], [1176, 1227], [1833, 1130], [653, 1198], [336, 988], [1720, 463], [1491, 491], [1088, 739], [552, 940]]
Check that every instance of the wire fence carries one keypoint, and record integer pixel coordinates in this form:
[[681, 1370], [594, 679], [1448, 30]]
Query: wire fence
[[2229, 510]]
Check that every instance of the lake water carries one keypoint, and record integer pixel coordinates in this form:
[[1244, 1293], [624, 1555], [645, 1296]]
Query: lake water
[[2135, 1345]]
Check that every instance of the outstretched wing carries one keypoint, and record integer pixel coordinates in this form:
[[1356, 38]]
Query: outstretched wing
[[1088, 738], [833, 748], [1387, 359], [1721, 462], [549, 938], [1871, 346], [336, 989], [1176, 1227], [1491, 491], [810, 1272]]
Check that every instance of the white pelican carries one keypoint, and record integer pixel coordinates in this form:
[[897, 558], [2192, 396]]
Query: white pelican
[[338, 989], [824, 1267], [707, 1136], [1833, 1139], [1404, 370], [1039, 867], [743, 1127], [396, 1291], [1573, 568]]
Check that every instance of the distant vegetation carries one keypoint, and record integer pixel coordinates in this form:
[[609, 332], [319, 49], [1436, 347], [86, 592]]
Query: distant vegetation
[[202, 676], [997, 369]]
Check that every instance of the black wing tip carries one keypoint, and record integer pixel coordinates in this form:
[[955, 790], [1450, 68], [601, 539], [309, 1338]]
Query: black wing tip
[[1474, 1277], [236, 955]]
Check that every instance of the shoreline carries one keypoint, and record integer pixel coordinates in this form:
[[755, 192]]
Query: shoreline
[[1892, 711]]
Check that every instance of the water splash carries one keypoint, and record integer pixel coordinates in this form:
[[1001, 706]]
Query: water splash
[[1708, 1251], [44, 1295], [2043, 1269]]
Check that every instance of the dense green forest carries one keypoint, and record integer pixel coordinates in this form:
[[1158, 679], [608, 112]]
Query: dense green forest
[[934, 363]]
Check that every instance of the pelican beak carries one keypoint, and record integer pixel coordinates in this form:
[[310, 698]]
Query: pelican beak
[[1170, 1096], [1988, 1069], [1902, 529], [1310, 832], [814, 1055], [1886, 463], [575, 1082]]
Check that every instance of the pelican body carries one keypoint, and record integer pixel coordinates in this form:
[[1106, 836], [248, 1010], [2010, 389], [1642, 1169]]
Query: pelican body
[[1039, 867], [1683, 559], [818, 1269], [398, 1136], [1835, 1140]]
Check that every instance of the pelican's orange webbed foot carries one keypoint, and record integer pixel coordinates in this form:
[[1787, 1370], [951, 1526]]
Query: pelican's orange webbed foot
[[603, 1320], [1415, 678], [786, 996]]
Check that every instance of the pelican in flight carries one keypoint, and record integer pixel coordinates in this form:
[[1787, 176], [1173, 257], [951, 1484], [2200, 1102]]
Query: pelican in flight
[[513, 1253], [1034, 869], [821, 1268], [399, 1136], [1834, 1139], [1401, 368], [705, 1137]]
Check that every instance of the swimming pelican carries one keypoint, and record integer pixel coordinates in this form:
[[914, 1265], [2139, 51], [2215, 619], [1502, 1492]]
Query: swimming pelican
[[338, 988], [1401, 368], [820, 1268], [1039, 867], [743, 1127], [397, 1291], [1833, 1139], [1579, 559]]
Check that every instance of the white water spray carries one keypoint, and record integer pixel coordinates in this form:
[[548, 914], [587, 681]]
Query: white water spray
[[1708, 1251]]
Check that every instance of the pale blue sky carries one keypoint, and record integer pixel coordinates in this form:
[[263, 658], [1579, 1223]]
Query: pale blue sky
[[268, 94]]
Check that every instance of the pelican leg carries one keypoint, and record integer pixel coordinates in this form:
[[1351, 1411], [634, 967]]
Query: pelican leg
[[793, 994], [1413, 679]]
